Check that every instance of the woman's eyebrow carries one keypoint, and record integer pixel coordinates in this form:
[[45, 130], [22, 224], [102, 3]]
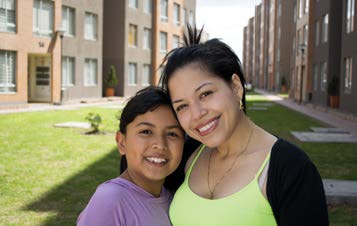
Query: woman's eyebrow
[[196, 90]]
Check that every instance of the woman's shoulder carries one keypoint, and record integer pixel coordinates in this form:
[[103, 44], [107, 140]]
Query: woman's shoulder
[[285, 152], [193, 157]]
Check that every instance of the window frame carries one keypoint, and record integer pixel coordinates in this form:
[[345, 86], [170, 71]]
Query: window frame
[[92, 33], [92, 62], [70, 77], [10, 27], [10, 84], [68, 10]]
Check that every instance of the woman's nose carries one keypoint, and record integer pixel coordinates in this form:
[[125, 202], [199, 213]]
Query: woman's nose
[[198, 111]]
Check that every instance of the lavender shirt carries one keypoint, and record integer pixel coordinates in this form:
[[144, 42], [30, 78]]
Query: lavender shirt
[[119, 202]]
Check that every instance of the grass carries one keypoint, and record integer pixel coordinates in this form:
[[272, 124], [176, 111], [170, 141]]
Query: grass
[[48, 174]]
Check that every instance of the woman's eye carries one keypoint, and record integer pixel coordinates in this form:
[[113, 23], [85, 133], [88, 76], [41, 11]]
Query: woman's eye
[[180, 107], [146, 131], [206, 93]]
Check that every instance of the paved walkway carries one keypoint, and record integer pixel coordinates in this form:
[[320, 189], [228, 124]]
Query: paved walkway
[[337, 191]]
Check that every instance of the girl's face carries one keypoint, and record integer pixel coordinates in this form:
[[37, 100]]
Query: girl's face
[[153, 145], [206, 106]]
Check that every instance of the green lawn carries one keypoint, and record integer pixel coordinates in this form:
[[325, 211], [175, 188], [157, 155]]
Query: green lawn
[[48, 174]]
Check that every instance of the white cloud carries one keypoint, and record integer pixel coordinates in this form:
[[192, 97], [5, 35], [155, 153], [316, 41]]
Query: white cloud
[[226, 20]]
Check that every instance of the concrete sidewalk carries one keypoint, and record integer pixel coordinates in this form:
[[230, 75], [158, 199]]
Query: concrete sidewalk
[[337, 191]]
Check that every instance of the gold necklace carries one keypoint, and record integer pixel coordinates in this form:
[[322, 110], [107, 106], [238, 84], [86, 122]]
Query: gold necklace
[[228, 170]]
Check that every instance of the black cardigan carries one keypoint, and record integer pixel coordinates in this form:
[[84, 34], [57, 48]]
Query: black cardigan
[[294, 187]]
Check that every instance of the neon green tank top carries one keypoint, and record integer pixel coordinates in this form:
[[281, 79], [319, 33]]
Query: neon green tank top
[[246, 207]]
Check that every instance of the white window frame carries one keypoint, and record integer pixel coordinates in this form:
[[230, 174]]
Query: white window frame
[[8, 13], [163, 42], [191, 18], [133, 4], [90, 26], [42, 26], [350, 15], [68, 71], [8, 72], [132, 74], [146, 79], [306, 7], [135, 35], [164, 10], [175, 41], [148, 6], [184, 17], [147, 38], [176, 14], [68, 21], [347, 75], [90, 72]]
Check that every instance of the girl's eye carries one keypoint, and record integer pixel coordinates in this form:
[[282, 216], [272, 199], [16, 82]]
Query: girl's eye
[[146, 131], [172, 134], [180, 107], [206, 93]]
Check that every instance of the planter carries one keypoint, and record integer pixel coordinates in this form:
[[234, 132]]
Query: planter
[[109, 92], [334, 101], [284, 89]]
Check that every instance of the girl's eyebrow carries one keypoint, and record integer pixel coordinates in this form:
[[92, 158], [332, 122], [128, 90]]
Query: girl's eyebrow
[[153, 125], [196, 90]]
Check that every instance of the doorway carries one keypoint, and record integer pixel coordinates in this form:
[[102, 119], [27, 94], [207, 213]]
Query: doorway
[[39, 71]]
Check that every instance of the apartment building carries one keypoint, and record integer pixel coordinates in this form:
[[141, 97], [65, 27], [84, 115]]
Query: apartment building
[[137, 42], [50, 51], [257, 45], [348, 60]]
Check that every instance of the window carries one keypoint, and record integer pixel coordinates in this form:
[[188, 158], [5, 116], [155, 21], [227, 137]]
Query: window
[[295, 12], [305, 31], [146, 74], [133, 4], [90, 72], [315, 76], [191, 18], [7, 16], [147, 38], [148, 6], [184, 15], [163, 42], [294, 46], [164, 10], [132, 74], [347, 74], [176, 14], [323, 76], [317, 33], [298, 39], [90, 27], [42, 24], [175, 41], [301, 8], [133, 35], [350, 15], [68, 23], [7, 71], [325, 28], [67, 71], [306, 9]]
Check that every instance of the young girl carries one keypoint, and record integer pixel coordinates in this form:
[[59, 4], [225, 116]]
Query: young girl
[[151, 141]]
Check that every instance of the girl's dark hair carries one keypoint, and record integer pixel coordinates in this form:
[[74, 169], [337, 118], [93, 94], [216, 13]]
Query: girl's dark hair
[[147, 99], [213, 55]]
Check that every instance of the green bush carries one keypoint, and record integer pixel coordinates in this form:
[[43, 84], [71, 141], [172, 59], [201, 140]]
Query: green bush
[[95, 120]]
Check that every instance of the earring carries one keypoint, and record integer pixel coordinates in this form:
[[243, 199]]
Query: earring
[[241, 107]]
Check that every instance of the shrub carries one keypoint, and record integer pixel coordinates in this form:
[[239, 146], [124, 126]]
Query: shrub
[[95, 120]]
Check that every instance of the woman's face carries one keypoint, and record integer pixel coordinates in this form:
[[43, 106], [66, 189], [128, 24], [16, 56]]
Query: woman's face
[[206, 106]]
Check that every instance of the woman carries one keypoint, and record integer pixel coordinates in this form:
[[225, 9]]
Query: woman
[[241, 175]]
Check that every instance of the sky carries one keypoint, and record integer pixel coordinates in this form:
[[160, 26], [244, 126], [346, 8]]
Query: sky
[[226, 19]]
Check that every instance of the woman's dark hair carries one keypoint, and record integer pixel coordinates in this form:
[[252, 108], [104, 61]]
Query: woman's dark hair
[[147, 99], [213, 55]]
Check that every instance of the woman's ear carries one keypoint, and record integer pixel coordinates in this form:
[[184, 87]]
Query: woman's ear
[[237, 86], [120, 138]]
